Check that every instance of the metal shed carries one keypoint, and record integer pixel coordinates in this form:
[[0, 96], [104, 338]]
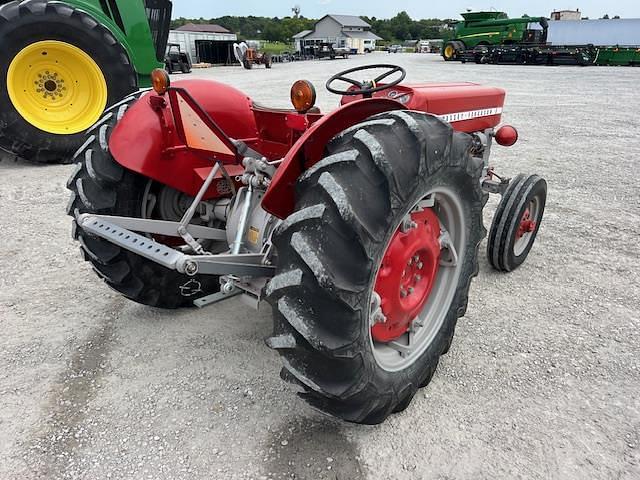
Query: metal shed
[[188, 41]]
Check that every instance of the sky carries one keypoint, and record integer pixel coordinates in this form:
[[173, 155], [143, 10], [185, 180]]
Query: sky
[[417, 9]]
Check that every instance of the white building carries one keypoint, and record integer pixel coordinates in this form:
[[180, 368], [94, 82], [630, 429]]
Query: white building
[[342, 31], [566, 15], [298, 39]]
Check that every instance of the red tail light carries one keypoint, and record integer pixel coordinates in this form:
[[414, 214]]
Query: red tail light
[[506, 136]]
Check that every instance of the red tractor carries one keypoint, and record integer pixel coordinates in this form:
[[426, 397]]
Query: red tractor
[[361, 228], [248, 56]]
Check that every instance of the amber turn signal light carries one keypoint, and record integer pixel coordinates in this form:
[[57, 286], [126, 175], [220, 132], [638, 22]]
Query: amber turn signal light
[[160, 81], [303, 96]]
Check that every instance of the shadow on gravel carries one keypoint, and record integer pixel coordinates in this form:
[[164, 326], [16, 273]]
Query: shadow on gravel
[[66, 410], [9, 161], [305, 449]]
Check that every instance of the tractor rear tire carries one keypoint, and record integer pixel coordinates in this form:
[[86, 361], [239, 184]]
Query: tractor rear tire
[[247, 63], [512, 236], [101, 186], [348, 208], [24, 27]]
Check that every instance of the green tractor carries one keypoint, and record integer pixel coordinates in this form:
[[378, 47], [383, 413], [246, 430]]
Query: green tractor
[[62, 63], [492, 28]]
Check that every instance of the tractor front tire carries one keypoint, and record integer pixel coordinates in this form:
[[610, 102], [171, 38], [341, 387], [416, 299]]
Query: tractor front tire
[[62, 68], [516, 222], [449, 51], [350, 208], [99, 185]]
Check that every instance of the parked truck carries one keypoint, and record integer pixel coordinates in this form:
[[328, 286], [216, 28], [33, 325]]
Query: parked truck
[[331, 51]]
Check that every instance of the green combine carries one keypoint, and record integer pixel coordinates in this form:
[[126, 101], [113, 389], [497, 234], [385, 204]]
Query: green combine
[[63, 62], [492, 28]]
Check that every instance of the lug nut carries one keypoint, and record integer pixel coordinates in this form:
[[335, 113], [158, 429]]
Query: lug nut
[[407, 225], [380, 318], [420, 265], [418, 278], [403, 293], [411, 290]]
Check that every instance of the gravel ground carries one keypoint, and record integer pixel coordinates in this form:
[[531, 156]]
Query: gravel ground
[[542, 382]]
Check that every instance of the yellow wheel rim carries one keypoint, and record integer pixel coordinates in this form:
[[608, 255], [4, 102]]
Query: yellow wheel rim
[[448, 51], [57, 87]]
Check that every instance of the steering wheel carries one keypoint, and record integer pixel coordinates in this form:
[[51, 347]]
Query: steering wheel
[[366, 88]]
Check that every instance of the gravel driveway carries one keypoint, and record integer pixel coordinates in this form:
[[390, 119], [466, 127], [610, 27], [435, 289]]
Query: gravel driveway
[[542, 382]]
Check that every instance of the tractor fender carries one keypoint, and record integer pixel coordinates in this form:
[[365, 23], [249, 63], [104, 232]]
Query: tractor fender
[[279, 200], [144, 140]]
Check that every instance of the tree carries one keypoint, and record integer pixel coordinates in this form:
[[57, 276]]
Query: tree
[[397, 29]]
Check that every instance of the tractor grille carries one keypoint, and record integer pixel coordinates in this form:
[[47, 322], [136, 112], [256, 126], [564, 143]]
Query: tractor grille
[[159, 15]]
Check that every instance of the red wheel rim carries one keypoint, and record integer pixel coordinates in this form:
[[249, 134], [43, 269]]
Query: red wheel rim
[[407, 274]]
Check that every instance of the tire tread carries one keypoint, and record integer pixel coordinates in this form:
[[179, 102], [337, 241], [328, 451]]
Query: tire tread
[[332, 373]]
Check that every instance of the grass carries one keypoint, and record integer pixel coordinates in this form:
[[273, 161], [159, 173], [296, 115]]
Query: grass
[[275, 48]]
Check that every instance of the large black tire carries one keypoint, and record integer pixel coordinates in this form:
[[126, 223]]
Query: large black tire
[[348, 207], [501, 245], [23, 23], [100, 185], [246, 62], [449, 51]]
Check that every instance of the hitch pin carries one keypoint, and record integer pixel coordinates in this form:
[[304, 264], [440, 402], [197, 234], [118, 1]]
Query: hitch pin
[[188, 216]]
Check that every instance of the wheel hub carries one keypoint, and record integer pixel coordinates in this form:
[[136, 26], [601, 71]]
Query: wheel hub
[[527, 224], [407, 274], [50, 85], [56, 87], [172, 204]]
